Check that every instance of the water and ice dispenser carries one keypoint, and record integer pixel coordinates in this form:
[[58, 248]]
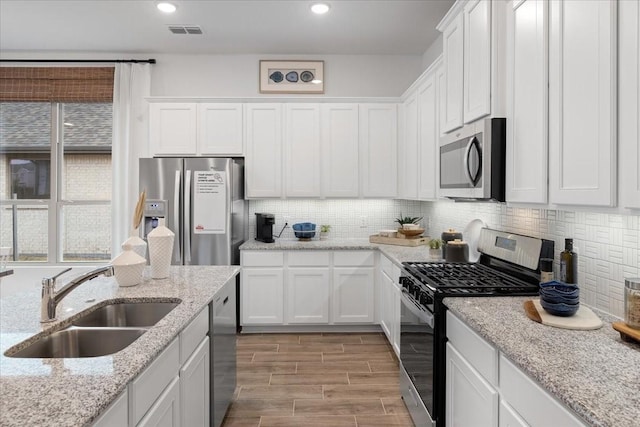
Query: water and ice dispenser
[[154, 210]]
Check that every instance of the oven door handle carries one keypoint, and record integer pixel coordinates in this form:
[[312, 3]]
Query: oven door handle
[[423, 315]]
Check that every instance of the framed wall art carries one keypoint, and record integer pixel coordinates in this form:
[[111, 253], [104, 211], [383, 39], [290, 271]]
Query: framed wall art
[[292, 77]]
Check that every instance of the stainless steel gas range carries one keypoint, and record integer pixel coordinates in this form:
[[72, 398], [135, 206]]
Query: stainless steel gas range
[[509, 265]]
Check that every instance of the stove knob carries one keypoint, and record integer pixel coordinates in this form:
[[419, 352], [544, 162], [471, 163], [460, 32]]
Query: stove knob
[[425, 299], [405, 282]]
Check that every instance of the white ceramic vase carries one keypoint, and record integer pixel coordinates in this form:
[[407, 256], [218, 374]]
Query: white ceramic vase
[[128, 267], [160, 250], [138, 245]]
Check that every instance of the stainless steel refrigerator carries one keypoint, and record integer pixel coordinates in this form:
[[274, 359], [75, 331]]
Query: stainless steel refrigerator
[[202, 201]]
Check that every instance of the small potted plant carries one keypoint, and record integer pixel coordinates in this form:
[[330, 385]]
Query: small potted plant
[[324, 231], [409, 222], [435, 249], [409, 226]]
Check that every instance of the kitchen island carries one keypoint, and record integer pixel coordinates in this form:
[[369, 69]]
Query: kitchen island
[[74, 392], [593, 372]]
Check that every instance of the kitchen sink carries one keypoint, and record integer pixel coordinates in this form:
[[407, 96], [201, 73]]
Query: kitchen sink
[[126, 314], [80, 342]]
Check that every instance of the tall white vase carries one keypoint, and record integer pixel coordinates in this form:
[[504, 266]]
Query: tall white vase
[[160, 250]]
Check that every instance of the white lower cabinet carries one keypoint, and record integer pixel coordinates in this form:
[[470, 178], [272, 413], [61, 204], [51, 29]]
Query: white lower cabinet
[[353, 295], [307, 287], [308, 295], [116, 415], [484, 388], [509, 417], [470, 399], [149, 385], [262, 294], [389, 302], [165, 411], [530, 401], [195, 387]]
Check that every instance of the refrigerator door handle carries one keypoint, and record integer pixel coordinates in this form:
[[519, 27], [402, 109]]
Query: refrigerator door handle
[[176, 211], [187, 219]]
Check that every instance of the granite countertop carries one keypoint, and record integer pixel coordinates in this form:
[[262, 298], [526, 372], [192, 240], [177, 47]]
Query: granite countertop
[[593, 372], [397, 254], [73, 392]]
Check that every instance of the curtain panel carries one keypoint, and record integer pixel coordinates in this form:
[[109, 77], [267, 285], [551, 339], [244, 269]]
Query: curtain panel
[[132, 85], [56, 84]]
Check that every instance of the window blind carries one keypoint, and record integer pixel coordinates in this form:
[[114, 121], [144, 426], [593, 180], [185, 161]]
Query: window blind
[[56, 84]]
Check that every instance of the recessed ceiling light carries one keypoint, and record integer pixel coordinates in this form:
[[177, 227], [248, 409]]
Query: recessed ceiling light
[[320, 8], [166, 7]]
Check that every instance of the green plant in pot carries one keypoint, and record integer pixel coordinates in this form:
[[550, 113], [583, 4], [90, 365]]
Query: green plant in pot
[[435, 248], [324, 231], [408, 220], [435, 244]]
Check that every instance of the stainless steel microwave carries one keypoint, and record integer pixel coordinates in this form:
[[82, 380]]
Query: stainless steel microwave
[[472, 162]]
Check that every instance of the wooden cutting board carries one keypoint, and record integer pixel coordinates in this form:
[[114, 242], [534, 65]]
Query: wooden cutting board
[[400, 241], [584, 319], [627, 333]]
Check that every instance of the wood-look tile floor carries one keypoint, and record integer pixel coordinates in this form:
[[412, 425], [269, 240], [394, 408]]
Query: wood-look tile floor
[[317, 380]]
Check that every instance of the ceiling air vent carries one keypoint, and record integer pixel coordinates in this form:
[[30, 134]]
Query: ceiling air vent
[[185, 29]]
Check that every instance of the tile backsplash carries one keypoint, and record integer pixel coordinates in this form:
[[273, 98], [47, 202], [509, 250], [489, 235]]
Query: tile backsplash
[[608, 245], [346, 217]]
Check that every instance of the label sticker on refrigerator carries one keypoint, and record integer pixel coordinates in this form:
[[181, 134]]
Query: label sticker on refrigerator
[[209, 202]]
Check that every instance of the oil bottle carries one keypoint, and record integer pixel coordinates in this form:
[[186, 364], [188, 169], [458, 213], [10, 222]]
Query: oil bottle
[[568, 263]]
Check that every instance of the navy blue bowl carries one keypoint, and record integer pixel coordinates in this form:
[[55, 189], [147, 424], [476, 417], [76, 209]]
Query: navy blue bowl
[[560, 309], [557, 299], [556, 288], [304, 230]]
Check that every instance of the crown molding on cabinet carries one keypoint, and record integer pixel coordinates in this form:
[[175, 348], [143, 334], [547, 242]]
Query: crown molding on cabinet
[[451, 15], [323, 100], [421, 78]]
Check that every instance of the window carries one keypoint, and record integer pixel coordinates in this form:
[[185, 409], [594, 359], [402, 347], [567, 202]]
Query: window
[[55, 180]]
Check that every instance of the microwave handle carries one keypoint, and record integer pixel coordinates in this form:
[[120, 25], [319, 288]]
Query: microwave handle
[[473, 180]]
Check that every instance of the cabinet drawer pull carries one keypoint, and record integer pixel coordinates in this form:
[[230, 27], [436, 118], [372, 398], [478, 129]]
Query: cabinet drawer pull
[[225, 301]]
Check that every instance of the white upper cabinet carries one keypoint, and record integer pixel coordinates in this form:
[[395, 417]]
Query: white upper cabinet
[[264, 150], [408, 149], [417, 152], [527, 101], [629, 103], [453, 39], [428, 136], [172, 128], [468, 59], [195, 129], [339, 142], [477, 59], [582, 102], [302, 150], [220, 129], [378, 150]]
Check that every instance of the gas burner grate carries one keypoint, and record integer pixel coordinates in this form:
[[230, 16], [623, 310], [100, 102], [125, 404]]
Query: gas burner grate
[[468, 279]]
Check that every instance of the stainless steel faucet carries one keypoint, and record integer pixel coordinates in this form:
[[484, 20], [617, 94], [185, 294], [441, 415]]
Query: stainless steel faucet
[[51, 298]]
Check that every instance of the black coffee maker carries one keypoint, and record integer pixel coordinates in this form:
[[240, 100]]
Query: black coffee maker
[[264, 227]]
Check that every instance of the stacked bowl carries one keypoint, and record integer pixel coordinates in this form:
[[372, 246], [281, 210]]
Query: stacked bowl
[[559, 299], [304, 230]]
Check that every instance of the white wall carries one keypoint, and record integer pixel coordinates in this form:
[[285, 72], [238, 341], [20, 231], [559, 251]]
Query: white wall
[[237, 75], [432, 53]]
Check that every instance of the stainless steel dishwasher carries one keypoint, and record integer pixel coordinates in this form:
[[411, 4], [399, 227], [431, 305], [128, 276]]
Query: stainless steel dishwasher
[[223, 351]]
